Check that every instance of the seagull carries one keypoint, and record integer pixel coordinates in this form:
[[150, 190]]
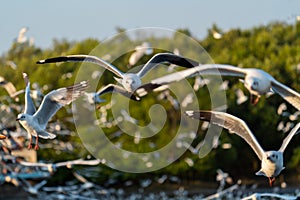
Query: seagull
[[129, 81], [93, 98], [10, 88], [241, 97], [216, 35], [144, 49], [281, 108], [33, 189], [12, 64], [51, 167], [270, 196], [35, 122], [271, 161], [21, 36], [257, 81], [117, 89]]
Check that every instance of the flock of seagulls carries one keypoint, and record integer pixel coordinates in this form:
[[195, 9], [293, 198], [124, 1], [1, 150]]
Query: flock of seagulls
[[256, 81]]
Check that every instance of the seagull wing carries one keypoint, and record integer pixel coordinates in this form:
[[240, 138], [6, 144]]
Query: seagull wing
[[287, 93], [54, 100], [206, 69], [9, 87], [117, 89], [29, 105], [78, 162], [169, 58], [31, 164], [287, 140], [84, 58], [231, 123]]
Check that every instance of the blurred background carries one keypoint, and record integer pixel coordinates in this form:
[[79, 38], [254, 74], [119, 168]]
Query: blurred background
[[250, 34]]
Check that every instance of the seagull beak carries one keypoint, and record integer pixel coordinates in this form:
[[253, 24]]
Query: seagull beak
[[17, 119]]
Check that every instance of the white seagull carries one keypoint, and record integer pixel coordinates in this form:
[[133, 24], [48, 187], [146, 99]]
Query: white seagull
[[271, 161], [257, 81], [35, 122], [129, 81], [10, 88], [140, 51], [52, 167]]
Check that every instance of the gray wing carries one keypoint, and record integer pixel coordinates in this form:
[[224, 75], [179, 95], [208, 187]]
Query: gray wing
[[287, 93], [29, 105], [287, 140], [206, 69], [54, 100], [83, 58], [117, 89], [169, 58], [231, 123]]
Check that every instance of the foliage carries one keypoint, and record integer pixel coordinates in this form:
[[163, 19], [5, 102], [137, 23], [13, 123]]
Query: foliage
[[274, 48]]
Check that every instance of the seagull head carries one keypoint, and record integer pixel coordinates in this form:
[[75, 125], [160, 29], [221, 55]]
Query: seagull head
[[21, 117], [252, 84], [258, 82], [131, 82], [272, 164], [274, 157]]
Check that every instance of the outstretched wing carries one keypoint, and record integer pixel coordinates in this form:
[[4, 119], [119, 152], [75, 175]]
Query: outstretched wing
[[9, 87], [117, 89], [287, 140], [54, 100], [206, 69], [29, 105], [231, 123], [83, 58], [169, 58], [287, 93]]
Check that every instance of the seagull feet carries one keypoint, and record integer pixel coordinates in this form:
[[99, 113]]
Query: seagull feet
[[36, 147], [254, 100], [271, 181], [29, 146]]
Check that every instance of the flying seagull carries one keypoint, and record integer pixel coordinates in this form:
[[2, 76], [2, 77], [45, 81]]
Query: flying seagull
[[257, 81], [140, 51], [271, 161], [51, 167], [129, 81], [10, 88], [35, 122]]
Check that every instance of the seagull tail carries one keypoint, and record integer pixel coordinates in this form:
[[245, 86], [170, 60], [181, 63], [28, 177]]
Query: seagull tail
[[46, 135]]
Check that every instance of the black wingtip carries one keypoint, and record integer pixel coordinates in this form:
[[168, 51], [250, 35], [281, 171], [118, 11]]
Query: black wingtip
[[175, 59], [201, 114], [135, 98], [40, 62], [54, 60]]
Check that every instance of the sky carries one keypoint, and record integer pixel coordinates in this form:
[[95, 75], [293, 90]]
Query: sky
[[78, 20]]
